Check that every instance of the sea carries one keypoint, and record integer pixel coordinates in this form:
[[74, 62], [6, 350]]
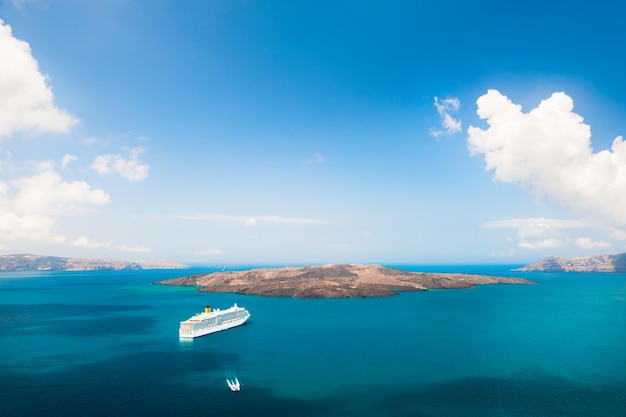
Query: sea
[[105, 343]]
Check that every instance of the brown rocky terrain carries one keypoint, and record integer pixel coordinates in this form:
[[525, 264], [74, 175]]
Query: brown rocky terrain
[[598, 263], [332, 281]]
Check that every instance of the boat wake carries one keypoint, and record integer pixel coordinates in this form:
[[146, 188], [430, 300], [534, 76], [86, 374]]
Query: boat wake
[[233, 384]]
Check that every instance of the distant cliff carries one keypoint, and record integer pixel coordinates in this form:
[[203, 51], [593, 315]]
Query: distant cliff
[[598, 263], [53, 263], [332, 281]]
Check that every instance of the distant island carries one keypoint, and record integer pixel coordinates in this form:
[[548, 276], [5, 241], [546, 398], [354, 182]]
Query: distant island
[[597, 263], [24, 262], [332, 281]]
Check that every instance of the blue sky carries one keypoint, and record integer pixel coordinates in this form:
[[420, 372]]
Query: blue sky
[[225, 132]]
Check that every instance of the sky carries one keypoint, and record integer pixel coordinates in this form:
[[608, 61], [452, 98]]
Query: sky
[[298, 132]]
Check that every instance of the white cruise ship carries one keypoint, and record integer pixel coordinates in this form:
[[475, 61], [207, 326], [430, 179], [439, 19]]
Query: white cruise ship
[[211, 321]]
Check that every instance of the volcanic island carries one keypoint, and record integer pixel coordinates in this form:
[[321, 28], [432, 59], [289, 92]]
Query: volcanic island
[[333, 281]]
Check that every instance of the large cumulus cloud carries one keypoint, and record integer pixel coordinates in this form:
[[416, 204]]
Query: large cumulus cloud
[[548, 151], [30, 205], [26, 100]]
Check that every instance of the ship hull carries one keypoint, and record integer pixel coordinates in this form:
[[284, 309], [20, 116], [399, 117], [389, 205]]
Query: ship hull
[[213, 329]]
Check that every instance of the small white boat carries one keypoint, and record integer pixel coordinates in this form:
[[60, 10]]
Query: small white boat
[[233, 384]]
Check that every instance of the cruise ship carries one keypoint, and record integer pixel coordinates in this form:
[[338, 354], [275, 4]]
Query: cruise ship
[[211, 321]]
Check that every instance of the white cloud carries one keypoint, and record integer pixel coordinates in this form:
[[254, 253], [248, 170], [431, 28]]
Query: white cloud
[[137, 249], [30, 227], [287, 220], [502, 254], [6, 160], [538, 223], [95, 141], [618, 234], [543, 233], [131, 169], [43, 165], [587, 243], [209, 216], [538, 233], [247, 221], [30, 206], [549, 243], [209, 252], [84, 242], [67, 159], [548, 151], [46, 193], [26, 101], [447, 108]]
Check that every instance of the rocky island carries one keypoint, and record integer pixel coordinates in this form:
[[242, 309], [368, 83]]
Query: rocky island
[[54, 263], [332, 281], [597, 263]]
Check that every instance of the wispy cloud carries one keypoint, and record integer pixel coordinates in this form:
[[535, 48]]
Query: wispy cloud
[[540, 223], [5, 160], [548, 152], [67, 159], [136, 249], [209, 252], [251, 221], [203, 252], [548, 243], [447, 108], [246, 220], [315, 159], [206, 216], [587, 243], [18, 3], [131, 168], [95, 141], [26, 101], [545, 233], [84, 242]]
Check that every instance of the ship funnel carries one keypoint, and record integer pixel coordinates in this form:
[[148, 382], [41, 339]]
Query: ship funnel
[[207, 309]]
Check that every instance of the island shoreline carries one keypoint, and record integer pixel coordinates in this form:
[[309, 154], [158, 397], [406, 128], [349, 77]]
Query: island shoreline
[[333, 281]]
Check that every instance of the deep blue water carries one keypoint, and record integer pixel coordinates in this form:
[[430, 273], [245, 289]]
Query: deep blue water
[[106, 344]]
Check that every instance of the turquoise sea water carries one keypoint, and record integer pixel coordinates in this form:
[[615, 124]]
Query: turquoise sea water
[[106, 344]]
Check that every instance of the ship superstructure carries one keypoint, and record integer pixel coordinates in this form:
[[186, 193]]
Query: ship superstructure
[[212, 320]]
